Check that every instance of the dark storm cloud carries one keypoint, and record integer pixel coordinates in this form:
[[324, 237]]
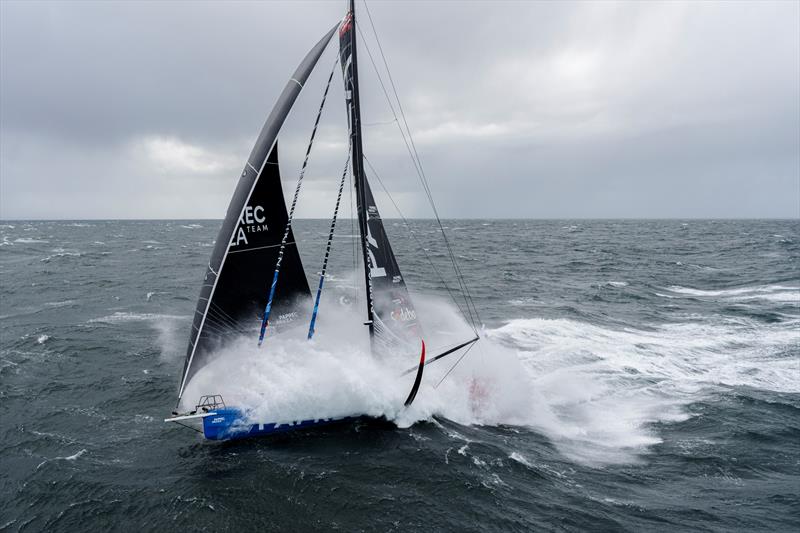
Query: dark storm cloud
[[148, 109]]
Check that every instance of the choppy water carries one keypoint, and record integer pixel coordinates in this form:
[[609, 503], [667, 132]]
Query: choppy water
[[641, 375]]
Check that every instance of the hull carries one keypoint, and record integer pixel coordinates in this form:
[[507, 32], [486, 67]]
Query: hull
[[231, 424]]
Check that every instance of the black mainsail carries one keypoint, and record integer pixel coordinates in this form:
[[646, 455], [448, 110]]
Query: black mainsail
[[234, 290], [391, 316]]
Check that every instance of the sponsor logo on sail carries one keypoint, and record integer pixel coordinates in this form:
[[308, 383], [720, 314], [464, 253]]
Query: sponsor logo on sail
[[404, 314], [286, 317], [251, 221]]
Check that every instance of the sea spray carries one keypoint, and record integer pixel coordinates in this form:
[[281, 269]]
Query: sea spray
[[335, 374], [594, 391], [600, 390], [497, 383]]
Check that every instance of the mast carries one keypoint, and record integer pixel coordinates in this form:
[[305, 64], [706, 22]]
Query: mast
[[354, 105]]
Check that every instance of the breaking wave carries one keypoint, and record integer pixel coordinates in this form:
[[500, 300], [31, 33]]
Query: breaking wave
[[594, 391], [121, 316], [26, 240], [771, 293]]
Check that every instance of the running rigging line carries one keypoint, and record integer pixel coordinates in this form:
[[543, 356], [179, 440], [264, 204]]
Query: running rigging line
[[265, 320], [328, 246]]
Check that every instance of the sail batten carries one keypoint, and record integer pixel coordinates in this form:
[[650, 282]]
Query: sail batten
[[255, 215]]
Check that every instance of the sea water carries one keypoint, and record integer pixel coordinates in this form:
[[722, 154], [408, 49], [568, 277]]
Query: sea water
[[632, 375]]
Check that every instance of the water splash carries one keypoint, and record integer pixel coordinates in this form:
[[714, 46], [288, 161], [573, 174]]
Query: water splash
[[594, 391]]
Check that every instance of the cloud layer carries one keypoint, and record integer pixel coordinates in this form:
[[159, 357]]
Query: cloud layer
[[117, 110]]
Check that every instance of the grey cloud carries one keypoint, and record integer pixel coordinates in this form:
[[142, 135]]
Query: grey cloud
[[519, 109]]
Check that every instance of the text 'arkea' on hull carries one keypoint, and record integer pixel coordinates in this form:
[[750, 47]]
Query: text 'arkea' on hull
[[256, 238]]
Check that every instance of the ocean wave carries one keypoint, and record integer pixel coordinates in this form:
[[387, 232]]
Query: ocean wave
[[521, 459], [772, 293], [26, 240], [600, 390], [62, 303], [72, 457], [709, 351], [521, 302], [59, 255], [559, 391], [596, 392], [121, 316]]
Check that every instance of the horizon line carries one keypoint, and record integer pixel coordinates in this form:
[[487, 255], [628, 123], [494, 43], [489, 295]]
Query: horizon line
[[2, 219]]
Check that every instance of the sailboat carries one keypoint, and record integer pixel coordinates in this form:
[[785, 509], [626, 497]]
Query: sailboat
[[255, 270]]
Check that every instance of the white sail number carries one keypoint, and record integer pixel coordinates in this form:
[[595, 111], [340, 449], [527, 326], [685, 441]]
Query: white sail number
[[374, 272]]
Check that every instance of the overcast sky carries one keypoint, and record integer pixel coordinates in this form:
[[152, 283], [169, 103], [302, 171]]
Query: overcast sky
[[518, 109]]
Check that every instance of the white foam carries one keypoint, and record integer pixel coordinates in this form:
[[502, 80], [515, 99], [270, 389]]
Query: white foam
[[728, 351], [595, 391], [121, 316], [518, 457], [772, 293], [24, 240], [334, 375], [604, 387], [72, 457], [60, 254], [732, 292], [62, 303]]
